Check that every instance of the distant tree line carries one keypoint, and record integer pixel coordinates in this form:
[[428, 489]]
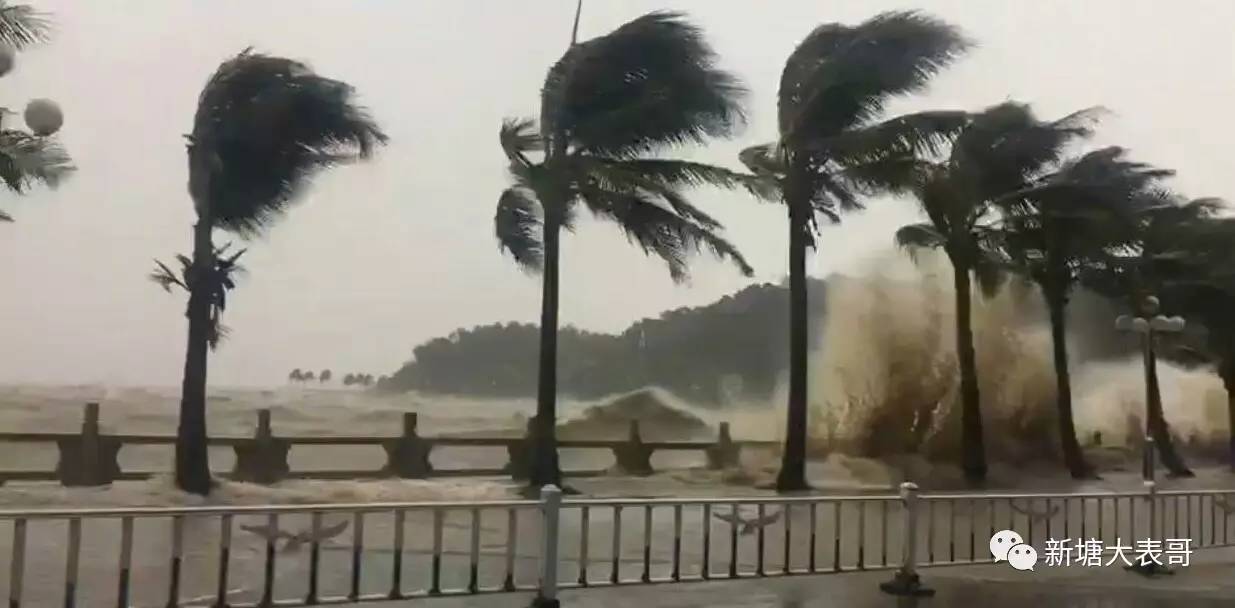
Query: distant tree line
[[297, 375], [735, 347]]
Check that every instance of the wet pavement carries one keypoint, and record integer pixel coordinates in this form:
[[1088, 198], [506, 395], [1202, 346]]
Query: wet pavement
[[1209, 582]]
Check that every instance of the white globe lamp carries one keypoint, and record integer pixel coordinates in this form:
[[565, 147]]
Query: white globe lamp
[[44, 117]]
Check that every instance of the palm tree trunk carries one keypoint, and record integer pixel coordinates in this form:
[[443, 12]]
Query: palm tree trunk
[[792, 475], [1158, 428], [1227, 371], [545, 468], [192, 455], [1073, 457], [973, 450]]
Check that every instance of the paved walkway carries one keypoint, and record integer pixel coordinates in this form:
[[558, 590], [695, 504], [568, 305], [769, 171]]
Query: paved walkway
[[1209, 582]]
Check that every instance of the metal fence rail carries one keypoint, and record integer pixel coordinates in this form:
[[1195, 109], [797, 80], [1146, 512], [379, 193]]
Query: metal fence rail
[[304, 555]]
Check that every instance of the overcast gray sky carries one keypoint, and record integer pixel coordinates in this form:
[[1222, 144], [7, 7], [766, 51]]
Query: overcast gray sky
[[380, 257]]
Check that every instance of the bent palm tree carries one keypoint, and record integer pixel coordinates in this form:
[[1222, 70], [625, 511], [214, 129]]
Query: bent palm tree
[[832, 150], [264, 125], [1064, 223], [1181, 251], [607, 106], [1000, 151]]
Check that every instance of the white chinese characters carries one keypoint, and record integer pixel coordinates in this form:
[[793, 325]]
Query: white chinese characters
[[1094, 552]]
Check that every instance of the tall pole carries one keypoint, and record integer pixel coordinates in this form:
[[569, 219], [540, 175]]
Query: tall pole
[[574, 31], [1148, 324]]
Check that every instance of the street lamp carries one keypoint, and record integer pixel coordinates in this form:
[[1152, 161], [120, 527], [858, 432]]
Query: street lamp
[[1148, 324]]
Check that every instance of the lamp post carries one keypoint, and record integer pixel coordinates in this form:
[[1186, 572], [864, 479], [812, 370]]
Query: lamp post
[[1148, 324]]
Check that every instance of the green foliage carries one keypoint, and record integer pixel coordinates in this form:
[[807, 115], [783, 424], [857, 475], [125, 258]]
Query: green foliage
[[689, 351]]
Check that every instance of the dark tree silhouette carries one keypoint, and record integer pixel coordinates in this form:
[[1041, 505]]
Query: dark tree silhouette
[[998, 151], [607, 106], [324, 376], [263, 126], [1062, 224], [833, 150]]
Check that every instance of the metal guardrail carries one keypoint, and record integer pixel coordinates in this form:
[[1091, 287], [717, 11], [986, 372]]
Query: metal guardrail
[[198, 556]]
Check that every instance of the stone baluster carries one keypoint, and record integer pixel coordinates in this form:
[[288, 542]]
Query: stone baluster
[[408, 456], [262, 459]]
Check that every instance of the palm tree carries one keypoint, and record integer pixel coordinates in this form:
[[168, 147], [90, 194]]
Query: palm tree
[[1061, 225], [263, 126], [1001, 150], [324, 377], [832, 150], [1201, 284], [295, 376], [1181, 251], [28, 158], [607, 106]]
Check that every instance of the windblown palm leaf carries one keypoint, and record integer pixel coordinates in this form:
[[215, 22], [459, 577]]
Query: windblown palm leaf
[[265, 125], [518, 227], [607, 105], [840, 77], [219, 281], [22, 26], [648, 84], [26, 160]]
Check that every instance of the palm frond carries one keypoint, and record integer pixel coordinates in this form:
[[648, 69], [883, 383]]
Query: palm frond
[[840, 76], [918, 134], [164, 277], [519, 227], [26, 160], [680, 173], [264, 126], [916, 237], [1006, 146], [764, 160], [4, 217], [888, 175], [989, 270], [660, 231], [518, 137], [22, 26], [650, 83]]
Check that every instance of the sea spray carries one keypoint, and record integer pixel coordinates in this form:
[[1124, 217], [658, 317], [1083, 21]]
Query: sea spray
[[886, 380]]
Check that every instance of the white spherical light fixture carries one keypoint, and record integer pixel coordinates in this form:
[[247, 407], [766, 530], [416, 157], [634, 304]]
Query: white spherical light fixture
[[43, 116], [8, 59]]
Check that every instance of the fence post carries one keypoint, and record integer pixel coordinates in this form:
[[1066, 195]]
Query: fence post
[[408, 456], [262, 459], [906, 581], [724, 453], [89, 458], [633, 457], [550, 503]]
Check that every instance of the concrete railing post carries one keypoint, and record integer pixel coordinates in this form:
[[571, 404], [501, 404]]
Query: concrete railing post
[[633, 457], [408, 456], [88, 459], [550, 506], [262, 459], [724, 453], [906, 581]]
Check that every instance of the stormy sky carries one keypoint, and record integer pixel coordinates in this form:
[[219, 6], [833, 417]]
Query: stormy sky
[[379, 257]]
